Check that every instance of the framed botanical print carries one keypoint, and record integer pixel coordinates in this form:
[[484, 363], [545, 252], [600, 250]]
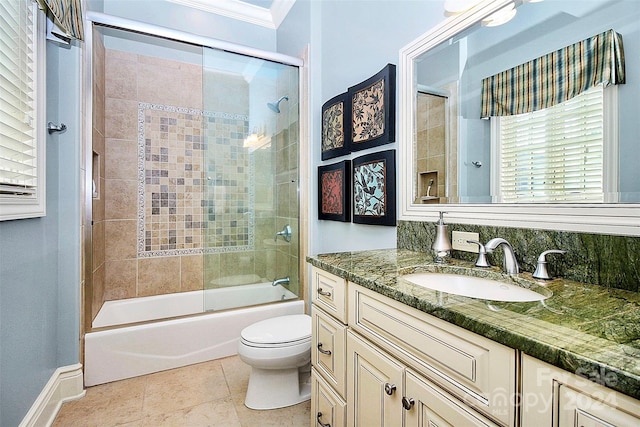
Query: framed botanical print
[[334, 183], [373, 110], [336, 127], [374, 188]]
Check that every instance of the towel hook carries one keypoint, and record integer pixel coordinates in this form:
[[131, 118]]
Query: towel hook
[[52, 127]]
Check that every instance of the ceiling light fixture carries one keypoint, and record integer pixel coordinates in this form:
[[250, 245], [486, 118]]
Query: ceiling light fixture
[[500, 17], [456, 7]]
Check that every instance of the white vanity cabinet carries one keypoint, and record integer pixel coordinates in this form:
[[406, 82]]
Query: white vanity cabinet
[[552, 397], [328, 349], [383, 391], [379, 362], [367, 350], [468, 373]]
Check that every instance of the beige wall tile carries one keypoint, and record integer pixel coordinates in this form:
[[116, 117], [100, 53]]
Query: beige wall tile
[[121, 199], [232, 264], [158, 276], [191, 272], [98, 244], [98, 288], [120, 239], [98, 108], [179, 85], [121, 119], [120, 279], [121, 159], [121, 78]]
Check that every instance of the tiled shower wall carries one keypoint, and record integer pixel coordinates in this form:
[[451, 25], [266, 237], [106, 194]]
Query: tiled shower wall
[[94, 294], [170, 249], [129, 80]]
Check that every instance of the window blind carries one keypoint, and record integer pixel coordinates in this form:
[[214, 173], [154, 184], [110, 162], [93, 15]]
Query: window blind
[[18, 142], [555, 154]]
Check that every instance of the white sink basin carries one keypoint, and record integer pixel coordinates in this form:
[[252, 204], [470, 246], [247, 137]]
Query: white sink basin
[[474, 287]]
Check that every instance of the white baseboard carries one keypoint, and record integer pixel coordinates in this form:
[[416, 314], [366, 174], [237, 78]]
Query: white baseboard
[[65, 384]]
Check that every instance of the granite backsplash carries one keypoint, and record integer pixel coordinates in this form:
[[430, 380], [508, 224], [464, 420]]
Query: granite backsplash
[[605, 260]]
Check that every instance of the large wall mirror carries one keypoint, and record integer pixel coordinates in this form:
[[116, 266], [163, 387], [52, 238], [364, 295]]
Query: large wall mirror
[[452, 159]]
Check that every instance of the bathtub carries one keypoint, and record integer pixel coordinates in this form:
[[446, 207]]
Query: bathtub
[[129, 351]]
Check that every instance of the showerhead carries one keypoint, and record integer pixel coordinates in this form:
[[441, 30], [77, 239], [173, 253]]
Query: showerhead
[[275, 106]]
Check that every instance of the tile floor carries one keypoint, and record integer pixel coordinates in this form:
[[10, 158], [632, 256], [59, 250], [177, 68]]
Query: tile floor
[[209, 394]]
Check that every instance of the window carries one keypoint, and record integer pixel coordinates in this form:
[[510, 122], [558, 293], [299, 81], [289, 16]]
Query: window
[[22, 151], [556, 154]]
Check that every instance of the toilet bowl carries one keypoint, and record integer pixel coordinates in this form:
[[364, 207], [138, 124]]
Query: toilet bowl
[[279, 353]]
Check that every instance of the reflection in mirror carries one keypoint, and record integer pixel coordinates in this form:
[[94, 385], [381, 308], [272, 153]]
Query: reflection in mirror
[[458, 157], [436, 157]]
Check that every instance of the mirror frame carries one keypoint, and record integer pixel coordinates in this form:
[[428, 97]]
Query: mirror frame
[[603, 218]]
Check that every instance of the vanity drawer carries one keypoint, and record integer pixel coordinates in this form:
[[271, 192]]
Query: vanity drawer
[[477, 370], [328, 292], [327, 408], [328, 349]]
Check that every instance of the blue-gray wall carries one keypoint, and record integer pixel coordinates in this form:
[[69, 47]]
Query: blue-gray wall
[[350, 41], [40, 258]]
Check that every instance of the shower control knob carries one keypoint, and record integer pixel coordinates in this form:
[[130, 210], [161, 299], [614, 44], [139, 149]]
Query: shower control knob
[[389, 388]]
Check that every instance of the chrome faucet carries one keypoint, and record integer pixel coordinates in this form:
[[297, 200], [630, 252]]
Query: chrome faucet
[[541, 269], [510, 261], [280, 281]]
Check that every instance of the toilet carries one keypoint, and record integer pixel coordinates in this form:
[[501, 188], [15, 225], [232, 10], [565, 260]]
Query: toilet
[[279, 353]]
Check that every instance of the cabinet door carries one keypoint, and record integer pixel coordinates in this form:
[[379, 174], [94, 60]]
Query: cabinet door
[[329, 350], [374, 386], [427, 405], [476, 370], [580, 410], [327, 408], [552, 397]]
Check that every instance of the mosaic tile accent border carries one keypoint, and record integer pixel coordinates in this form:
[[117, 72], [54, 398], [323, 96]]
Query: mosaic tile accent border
[[195, 182]]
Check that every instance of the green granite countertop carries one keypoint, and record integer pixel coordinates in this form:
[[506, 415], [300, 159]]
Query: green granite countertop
[[584, 329]]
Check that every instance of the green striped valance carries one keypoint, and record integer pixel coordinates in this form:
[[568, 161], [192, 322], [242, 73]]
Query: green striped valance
[[66, 14], [555, 77]]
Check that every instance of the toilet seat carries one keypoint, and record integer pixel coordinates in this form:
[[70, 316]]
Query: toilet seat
[[282, 331]]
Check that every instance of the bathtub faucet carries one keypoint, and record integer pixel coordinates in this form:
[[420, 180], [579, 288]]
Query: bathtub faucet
[[281, 281]]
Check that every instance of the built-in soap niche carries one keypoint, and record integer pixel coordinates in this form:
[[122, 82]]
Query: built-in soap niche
[[95, 176], [428, 187]]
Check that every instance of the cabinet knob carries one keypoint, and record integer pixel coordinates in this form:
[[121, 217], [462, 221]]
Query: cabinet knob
[[327, 352], [320, 423], [407, 403], [324, 293], [389, 388]]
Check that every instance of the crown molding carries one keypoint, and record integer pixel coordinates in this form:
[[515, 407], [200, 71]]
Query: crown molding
[[236, 9]]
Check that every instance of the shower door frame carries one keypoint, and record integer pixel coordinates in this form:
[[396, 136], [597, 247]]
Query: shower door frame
[[110, 21]]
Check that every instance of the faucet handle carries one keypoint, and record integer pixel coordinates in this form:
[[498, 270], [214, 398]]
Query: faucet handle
[[482, 254], [541, 269]]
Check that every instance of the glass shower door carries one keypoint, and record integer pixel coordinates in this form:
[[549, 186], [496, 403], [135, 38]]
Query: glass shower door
[[250, 132]]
